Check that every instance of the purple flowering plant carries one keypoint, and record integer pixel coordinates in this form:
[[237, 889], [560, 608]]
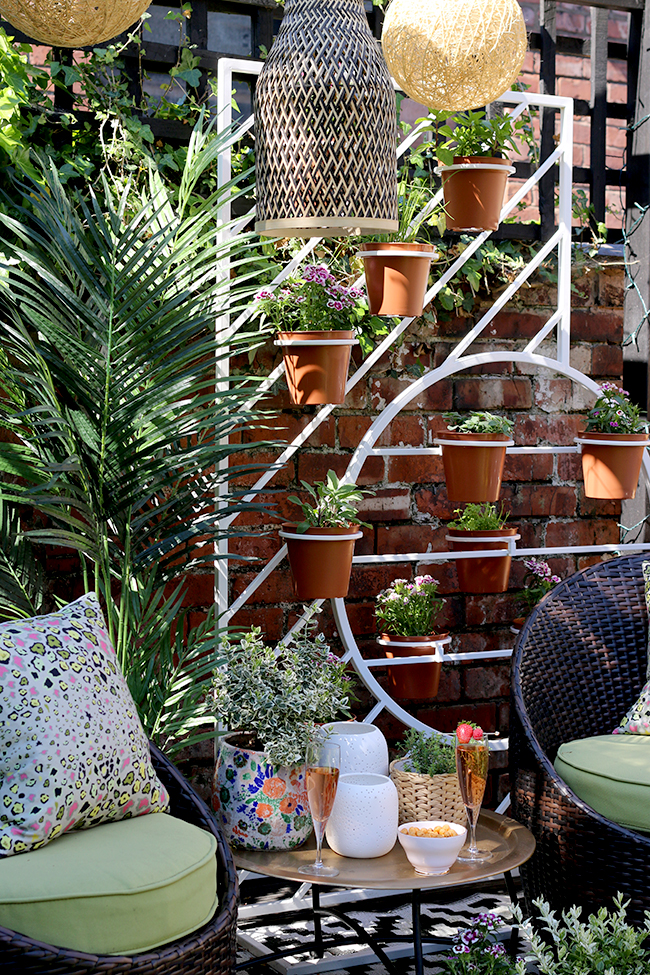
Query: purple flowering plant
[[315, 300], [477, 951], [409, 608], [538, 580], [613, 412]]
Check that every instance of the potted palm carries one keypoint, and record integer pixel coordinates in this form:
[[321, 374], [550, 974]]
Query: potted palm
[[406, 614], [271, 699], [473, 170], [397, 265], [473, 454], [481, 527], [612, 445], [426, 779], [321, 546], [315, 316]]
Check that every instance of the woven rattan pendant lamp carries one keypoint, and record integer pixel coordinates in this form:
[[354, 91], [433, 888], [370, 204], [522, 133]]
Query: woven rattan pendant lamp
[[325, 127], [454, 54], [72, 23]]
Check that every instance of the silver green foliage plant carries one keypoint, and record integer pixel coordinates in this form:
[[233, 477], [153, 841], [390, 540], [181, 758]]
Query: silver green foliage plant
[[604, 944], [478, 421], [428, 754], [281, 694], [334, 504]]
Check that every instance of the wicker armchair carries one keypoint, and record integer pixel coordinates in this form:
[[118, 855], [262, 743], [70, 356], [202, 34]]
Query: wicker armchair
[[208, 951], [579, 663]]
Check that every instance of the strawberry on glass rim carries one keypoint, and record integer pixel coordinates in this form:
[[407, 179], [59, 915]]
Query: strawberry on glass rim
[[468, 731]]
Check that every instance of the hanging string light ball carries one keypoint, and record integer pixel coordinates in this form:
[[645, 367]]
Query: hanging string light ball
[[325, 126], [454, 54], [72, 23]]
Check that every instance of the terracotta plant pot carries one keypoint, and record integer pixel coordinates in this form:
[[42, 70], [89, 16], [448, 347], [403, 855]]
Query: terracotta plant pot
[[611, 463], [474, 188], [259, 806], [320, 560], [482, 575], [413, 682], [396, 277], [316, 365], [473, 473]]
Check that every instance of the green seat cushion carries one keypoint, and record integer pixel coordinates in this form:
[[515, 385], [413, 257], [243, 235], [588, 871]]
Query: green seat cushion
[[611, 773], [119, 888]]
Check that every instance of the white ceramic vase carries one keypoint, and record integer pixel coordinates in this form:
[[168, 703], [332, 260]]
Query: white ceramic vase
[[363, 746], [363, 822]]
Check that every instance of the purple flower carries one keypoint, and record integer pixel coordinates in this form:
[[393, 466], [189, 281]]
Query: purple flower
[[263, 295]]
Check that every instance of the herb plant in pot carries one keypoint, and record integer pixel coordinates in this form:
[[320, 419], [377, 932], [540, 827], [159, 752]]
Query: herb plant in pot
[[473, 455], [613, 445], [272, 702], [397, 266], [406, 614], [321, 546], [481, 527], [316, 317], [426, 780], [473, 171]]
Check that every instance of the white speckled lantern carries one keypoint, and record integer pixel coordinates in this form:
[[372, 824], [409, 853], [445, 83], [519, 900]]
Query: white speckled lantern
[[363, 822], [363, 746]]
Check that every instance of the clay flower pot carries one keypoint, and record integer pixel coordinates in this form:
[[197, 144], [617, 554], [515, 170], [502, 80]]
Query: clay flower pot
[[473, 464], [611, 463], [396, 277], [320, 560], [259, 806], [414, 682], [316, 365], [482, 575], [474, 188]]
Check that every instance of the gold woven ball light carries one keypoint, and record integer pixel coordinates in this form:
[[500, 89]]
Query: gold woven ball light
[[72, 23], [454, 54]]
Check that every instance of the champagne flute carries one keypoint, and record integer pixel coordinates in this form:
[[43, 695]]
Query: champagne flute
[[323, 761], [472, 760]]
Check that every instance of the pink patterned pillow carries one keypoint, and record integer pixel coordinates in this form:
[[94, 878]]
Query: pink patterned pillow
[[73, 752]]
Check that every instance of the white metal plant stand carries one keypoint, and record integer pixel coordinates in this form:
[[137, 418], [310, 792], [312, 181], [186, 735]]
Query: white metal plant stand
[[548, 350]]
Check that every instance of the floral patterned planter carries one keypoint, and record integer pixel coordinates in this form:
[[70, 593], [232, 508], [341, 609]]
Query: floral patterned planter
[[260, 806]]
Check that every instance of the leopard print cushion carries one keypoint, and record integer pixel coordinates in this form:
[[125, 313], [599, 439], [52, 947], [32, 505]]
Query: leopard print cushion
[[72, 750]]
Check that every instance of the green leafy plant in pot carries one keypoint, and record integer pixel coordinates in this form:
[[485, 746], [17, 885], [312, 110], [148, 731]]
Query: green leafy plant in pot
[[481, 527], [474, 453], [321, 546], [397, 265], [613, 445], [317, 318], [406, 613], [272, 699], [426, 779], [473, 171]]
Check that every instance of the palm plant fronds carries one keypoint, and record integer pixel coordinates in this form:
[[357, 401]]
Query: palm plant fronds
[[122, 430]]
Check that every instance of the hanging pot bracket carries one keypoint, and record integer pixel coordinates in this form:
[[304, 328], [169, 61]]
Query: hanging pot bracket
[[306, 342], [457, 167], [611, 443], [438, 655]]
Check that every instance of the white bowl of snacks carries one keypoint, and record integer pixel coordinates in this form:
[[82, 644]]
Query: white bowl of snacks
[[432, 845]]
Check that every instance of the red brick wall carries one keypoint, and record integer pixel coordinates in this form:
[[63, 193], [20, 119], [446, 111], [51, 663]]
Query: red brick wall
[[410, 509]]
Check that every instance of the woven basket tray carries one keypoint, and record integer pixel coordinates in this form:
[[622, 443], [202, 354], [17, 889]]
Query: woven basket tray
[[427, 796]]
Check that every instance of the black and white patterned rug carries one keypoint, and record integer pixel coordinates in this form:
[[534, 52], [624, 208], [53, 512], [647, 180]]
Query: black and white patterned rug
[[442, 915]]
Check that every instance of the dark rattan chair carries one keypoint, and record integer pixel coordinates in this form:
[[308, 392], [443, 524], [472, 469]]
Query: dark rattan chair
[[208, 951], [579, 664]]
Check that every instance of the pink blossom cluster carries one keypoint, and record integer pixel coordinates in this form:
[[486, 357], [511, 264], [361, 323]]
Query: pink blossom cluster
[[541, 569]]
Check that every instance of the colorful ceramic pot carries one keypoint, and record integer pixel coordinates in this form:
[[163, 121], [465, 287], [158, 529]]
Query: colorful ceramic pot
[[259, 806]]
